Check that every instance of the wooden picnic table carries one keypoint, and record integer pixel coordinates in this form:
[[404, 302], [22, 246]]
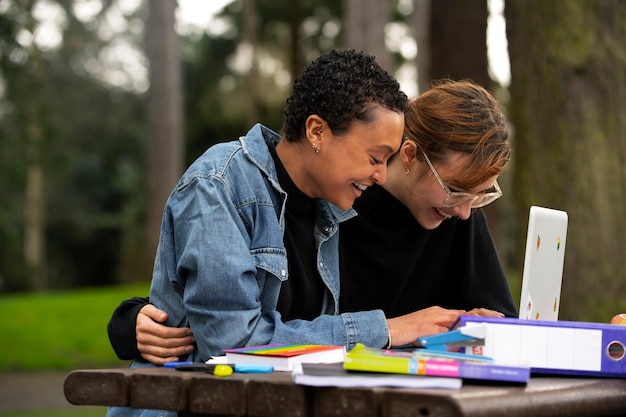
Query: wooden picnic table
[[275, 395]]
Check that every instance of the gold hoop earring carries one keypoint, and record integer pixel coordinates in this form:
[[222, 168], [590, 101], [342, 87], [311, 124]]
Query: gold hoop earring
[[407, 171]]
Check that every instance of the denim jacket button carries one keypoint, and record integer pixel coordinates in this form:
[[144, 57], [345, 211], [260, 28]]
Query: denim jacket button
[[321, 264], [283, 272]]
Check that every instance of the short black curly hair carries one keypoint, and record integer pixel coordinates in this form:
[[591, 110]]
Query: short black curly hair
[[340, 86]]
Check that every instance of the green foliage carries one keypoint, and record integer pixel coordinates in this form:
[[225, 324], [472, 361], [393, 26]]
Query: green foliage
[[208, 120], [61, 330], [86, 137]]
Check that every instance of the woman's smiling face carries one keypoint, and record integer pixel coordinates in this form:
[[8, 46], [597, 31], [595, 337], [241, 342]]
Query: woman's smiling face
[[425, 197], [346, 165], [456, 145]]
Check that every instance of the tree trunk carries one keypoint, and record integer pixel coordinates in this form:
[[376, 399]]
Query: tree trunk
[[252, 78], [297, 60], [34, 222], [165, 142], [458, 40], [35, 200], [364, 28], [420, 23], [568, 97]]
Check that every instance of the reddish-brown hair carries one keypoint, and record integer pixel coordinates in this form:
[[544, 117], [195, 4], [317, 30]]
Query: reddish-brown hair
[[460, 116]]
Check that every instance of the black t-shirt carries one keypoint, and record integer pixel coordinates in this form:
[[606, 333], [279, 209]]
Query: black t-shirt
[[302, 293], [389, 261]]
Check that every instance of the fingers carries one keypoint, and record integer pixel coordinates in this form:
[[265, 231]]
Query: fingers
[[159, 355], [157, 360], [146, 326], [428, 331], [484, 312], [154, 313], [158, 343], [441, 329], [408, 328], [447, 318], [159, 350], [425, 322], [148, 339]]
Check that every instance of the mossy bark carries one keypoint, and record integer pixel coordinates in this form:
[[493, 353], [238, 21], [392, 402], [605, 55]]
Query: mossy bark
[[568, 104]]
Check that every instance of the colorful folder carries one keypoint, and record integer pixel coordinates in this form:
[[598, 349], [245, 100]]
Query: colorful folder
[[548, 347]]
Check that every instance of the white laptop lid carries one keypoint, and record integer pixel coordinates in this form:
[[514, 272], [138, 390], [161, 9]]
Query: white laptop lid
[[543, 264]]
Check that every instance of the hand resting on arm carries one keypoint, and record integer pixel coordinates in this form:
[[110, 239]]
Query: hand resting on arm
[[159, 344]]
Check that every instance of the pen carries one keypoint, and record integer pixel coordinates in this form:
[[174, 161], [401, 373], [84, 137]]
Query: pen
[[176, 364], [215, 367], [192, 366]]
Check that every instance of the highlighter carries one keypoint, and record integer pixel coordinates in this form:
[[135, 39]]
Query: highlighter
[[225, 369]]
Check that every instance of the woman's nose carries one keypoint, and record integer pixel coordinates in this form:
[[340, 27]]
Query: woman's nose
[[464, 210], [380, 175]]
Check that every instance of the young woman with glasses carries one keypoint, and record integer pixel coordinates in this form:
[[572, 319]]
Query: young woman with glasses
[[420, 243], [421, 239]]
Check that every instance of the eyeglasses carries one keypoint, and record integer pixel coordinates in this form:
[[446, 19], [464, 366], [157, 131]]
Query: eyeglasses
[[457, 198]]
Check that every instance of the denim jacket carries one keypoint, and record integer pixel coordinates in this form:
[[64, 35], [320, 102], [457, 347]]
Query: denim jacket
[[221, 257]]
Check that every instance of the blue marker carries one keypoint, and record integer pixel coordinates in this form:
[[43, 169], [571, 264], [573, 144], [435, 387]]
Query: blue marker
[[175, 364], [248, 368]]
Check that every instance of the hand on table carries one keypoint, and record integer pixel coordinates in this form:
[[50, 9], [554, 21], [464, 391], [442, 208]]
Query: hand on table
[[432, 320]]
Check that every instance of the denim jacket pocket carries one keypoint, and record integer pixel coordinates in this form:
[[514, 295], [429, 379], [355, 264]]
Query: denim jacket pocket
[[273, 261]]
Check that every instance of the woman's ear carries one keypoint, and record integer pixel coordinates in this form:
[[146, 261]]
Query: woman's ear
[[408, 151], [314, 128]]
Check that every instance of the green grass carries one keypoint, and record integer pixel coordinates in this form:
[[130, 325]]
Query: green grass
[[60, 330]]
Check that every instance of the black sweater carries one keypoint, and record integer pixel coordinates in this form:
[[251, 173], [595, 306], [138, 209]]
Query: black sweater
[[389, 262]]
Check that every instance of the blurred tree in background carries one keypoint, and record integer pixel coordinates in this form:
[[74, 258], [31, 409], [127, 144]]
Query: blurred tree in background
[[568, 99], [70, 166], [74, 162], [164, 122]]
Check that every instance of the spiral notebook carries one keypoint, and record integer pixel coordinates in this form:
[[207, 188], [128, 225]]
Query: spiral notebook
[[543, 264]]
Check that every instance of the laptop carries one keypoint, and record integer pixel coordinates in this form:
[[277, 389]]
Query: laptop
[[543, 264]]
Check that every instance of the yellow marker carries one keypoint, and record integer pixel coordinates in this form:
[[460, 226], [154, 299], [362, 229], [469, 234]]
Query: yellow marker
[[222, 370]]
